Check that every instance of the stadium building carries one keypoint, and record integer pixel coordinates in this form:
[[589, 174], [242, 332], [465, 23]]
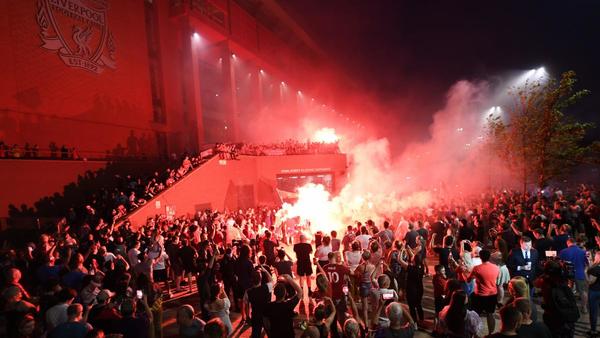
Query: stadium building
[[98, 80], [151, 77]]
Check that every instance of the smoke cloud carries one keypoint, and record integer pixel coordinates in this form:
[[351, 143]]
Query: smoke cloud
[[453, 163]]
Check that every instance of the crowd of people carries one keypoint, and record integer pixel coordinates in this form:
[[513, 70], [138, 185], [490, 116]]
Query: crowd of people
[[111, 203], [155, 185], [33, 151], [128, 192], [133, 192], [289, 147], [503, 253], [231, 151], [226, 150]]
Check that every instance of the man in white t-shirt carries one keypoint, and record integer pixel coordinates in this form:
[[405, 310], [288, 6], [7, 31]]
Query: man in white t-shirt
[[322, 252], [364, 238], [108, 256], [133, 254], [160, 261]]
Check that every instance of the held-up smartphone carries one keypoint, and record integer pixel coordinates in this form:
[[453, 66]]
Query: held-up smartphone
[[345, 290], [387, 295], [139, 294]]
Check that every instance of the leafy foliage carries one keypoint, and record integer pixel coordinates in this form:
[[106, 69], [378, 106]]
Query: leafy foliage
[[539, 141]]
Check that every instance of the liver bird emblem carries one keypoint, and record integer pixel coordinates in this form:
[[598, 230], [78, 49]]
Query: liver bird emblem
[[82, 36]]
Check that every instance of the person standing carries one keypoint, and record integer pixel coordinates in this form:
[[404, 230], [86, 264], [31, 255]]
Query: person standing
[[133, 254], [76, 325], [131, 325], [593, 278], [243, 270], [542, 244], [188, 324], [560, 307], [511, 322], [269, 248], [456, 320], [563, 233], [187, 255], [576, 256], [414, 282], [411, 236], [279, 314], [57, 314], [364, 274], [348, 239], [218, 306], [523, 261], [484, 298], [401, 323], [160, 264], [322, 252], [396, 269], [364, 238], [257, 297], [448, 255], [353, 256], [303, 264], [386, 235], [338, 276], [281, 265], [530, 328], [439, 284], [335, 242]]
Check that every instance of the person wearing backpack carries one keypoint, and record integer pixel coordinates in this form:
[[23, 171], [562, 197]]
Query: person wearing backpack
[[559, 304]]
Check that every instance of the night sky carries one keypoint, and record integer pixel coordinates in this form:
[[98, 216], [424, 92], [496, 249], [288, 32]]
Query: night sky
[[413, 51]]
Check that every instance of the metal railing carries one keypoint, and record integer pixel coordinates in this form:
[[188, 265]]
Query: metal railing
[[19, 152]]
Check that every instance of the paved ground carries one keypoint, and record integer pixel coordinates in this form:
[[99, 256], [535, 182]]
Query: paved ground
[[170, 306]]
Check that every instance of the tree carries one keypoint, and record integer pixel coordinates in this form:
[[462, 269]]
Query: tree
[[535, 138]]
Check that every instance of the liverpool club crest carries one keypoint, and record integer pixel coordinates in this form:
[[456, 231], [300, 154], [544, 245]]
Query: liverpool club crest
[[77, 30]]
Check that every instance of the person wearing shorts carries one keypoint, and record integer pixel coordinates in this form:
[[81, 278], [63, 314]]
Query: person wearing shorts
[[160, 263], [484, 298], [364, 274], [483, 305], [303, 265]]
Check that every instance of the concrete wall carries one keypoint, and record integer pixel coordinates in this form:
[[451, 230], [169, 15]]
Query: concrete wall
[[43, 99], [234, 184], [26, 181]]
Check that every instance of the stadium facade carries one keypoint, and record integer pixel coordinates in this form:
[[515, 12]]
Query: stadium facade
[[151, 77]]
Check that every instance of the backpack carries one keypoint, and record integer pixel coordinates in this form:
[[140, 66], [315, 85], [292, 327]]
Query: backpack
[[564, 302]]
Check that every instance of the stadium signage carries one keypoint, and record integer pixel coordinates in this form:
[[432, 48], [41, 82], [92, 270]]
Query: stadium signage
[[77, 30], [304, 170]]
